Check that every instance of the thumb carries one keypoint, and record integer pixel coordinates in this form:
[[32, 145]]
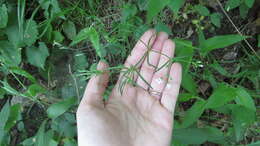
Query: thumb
[[96, 86]]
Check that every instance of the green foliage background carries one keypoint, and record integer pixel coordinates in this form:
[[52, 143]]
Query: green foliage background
[[49, 49]]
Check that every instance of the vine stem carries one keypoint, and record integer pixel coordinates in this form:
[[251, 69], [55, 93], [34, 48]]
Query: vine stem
[[226, 14]]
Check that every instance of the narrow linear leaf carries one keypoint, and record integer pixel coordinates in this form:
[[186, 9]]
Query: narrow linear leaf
[[24, 73]]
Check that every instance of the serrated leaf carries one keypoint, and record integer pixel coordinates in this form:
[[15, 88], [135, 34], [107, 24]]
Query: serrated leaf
[[220, 42], [92, 34], [69, 29], [154, 7], [59, 108], [10, 55], [202, 10], [30, 33], [221, 96], [37, 55], [82, 35], [215, 19], [175, 5], [249, 3], [3, 16], [192, 115], [231, 4]]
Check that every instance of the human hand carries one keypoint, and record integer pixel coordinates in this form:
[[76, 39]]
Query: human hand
[[139, 116]]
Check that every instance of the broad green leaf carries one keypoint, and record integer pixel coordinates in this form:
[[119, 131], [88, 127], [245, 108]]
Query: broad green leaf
[[22, 72], [80, 61], [4, 114], [184, 53], [202, 10], [175, 5], [94, 38], [10, 55], [249, 3], [197, 135], [128, 12], [3, 16], [69, 29], [183, 97], [34, 89], [242, 118], [221, 96], [154, 7], [162, 27], [189, 84], [220, 42], [192, 115], [37, 55], [40, 136], [57, 36], [243, 10], [244, 99], [69, 142], [59, 108], [15, 112], [224, 72], [31, 32], [215, 19], [56, 9], [231, 4], [82, 35]]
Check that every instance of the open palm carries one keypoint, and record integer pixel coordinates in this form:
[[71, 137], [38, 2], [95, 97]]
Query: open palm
[[141, 115]]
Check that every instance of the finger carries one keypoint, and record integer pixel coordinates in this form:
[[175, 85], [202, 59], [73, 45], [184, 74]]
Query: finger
[[136, 57], [96, 86], [151, 62], [171, 91], [160, 77], [140, 48]]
